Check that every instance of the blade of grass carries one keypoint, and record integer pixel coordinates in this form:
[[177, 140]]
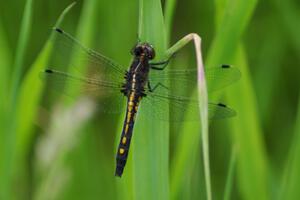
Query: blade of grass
[[220, 6], [117, 48], [5, 67], [151, 20], [86, 33], [291, 181], [268, 61], [289, 14], [186, 146], [190, 137], [10, 133], [4, 74], [151, 140], [188, 142], [235, 18], [21, 49], [31, 92], [230, 176], [128, 12], [28, 103], [169, 14], [252, 164]]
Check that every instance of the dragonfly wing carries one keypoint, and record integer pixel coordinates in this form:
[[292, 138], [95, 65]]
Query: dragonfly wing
[[174, 89], [220, 111], [107, 94], [70, 55], [91, 73], [167, 108], [181, 108], [216, 77], [221, 77]]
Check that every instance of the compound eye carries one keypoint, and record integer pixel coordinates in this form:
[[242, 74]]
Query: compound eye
[[151, 53], [138, 51]]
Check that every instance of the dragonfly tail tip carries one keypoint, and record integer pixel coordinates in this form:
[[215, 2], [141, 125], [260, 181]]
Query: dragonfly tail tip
[[119, 171]]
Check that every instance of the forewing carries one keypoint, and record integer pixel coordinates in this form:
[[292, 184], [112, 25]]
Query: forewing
[[175, 86], [217, 77], [76, 70], [72, 56]]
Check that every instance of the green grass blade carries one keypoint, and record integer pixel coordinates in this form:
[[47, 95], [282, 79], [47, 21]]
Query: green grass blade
[[234, 21], [10, 133], [289, 14], [151, 140], [31, 92], [252, 159], [4, 70], [230, 175], [252, 162], [38, 161], [291, 181], [85, 33], [150, 20], [170, 8], [21, 48], [188, 142], [5, 66], [5, 62], [177, 172], [28, 104], [268, 62]]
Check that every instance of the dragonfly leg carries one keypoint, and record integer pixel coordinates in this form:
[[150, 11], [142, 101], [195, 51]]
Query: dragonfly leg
[[152, 89], [164, 63]]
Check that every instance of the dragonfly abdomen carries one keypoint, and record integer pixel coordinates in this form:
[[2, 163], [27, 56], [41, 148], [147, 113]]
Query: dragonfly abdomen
[[123, 149]]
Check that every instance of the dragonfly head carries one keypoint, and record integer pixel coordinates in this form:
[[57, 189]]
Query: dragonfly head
[[144, 49]]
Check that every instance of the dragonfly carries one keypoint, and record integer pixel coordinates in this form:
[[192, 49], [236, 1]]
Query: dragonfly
[[146, 85]]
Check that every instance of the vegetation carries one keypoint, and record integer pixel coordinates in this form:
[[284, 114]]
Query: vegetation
[[53, 148]]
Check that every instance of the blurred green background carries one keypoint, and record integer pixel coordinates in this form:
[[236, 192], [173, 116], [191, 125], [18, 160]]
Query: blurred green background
[[51, 151]]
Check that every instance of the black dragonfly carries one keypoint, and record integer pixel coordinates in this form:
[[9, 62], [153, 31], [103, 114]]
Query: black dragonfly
[[146, 84]]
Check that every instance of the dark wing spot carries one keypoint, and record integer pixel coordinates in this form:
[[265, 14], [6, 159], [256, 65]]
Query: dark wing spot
[[48, 71], [58, 30], [225, 66], [222, 105]]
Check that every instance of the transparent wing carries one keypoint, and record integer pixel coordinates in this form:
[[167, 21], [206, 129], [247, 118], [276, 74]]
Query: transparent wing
[[70, 55], [216, 77], [181, 108], [108, 94], [77, 70], [173, 88]]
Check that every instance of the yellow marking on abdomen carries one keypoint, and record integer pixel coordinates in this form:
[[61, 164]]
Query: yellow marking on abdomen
[[131, 97], [126, 128], [128, 117], [124, 139], [121, 151]]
